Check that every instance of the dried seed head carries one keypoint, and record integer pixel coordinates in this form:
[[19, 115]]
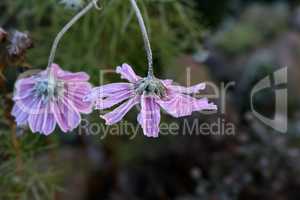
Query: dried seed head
[[19, 43]]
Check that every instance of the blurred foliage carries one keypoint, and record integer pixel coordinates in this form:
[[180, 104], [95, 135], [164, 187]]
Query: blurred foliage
[[27, 172], [253, 28], [105, 38]]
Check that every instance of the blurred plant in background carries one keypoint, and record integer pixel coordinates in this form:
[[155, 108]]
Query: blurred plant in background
[[256, 25], [105, 38]]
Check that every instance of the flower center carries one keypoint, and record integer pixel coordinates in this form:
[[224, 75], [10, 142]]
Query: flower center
[[151, 86], [49, 89]]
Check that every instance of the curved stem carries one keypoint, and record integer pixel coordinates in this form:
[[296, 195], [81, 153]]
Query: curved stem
[[145, 37], [67, 27]]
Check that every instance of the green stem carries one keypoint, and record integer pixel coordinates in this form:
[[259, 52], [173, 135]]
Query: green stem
[[92, 4], [145, 38]]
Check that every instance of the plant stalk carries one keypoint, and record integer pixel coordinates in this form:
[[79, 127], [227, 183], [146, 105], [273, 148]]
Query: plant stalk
[[85, 10], [145, 38]]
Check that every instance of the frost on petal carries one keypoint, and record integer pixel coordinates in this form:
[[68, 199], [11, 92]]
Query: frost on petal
[[75, 92], [167, 82], [42, 122], [20, 116], [23, 108], [29, 105], [187, 90], [68, 76], [24, 88], [180, 105], [149, 117], [65, 115], [127, 73], [117, 114], [113, 99], [49, 123], [203, 104], [79, 76], [108, 90]]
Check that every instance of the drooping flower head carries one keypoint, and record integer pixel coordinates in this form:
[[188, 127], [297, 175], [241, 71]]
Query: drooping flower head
[[51, 97], [152, 94]]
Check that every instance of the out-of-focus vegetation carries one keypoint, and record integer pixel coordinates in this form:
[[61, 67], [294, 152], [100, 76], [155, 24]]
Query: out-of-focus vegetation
[[105, 38], [254, 27]]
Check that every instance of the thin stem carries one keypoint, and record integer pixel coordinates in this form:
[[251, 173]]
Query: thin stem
[[16, 146], [145, 37], [67, 27]]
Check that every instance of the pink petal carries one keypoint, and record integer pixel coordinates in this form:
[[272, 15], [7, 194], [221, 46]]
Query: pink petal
[[29, 105], [20, 116], [113, 100], [108, 90], [127, 73], [65, 114], [75, 92], [24, 88], [149, 117], [187, 90], [203, 104], [180, 105], [26, 107], [49, 123], [43, 121], [68, 76], [167, 82], [117, 114], [79, 76]]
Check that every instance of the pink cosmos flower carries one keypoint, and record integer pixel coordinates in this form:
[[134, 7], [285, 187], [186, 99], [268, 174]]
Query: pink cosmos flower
[[151, 94], [44, 99]]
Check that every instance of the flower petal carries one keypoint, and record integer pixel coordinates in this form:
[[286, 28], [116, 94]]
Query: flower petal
[[29, 105], [43, 121], [180, 105], [49, 123], [187, 90], [167, 82], [65, 114], [203, 104], [127, 73], [149, 117], [24, 88], [75, 92], [35, 119], [20, 116], [117, 114], [108, 90], [68, 76], [113, 100]]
